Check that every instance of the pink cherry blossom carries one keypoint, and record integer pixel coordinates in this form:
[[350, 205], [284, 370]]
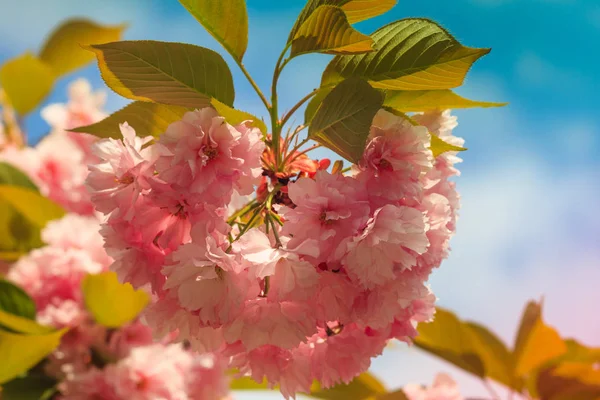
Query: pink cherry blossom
[[327, 210], [52, 277], [205, 155], [261, 322], [443, 388], [394, 160], [122, 174], [391, 241]]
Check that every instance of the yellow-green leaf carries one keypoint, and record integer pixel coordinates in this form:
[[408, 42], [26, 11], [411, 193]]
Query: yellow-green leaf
[[163, 72], [19, 324], [148, 119], [343, 120], [359, 10], [19, 352], [497, 359], [450, 339], [247, 383], [412, 54], [327, 30], [537, 343], [439, 146], [34, 207], [356, 10], [395, 395], [427, 100], [10, 175], [27, 81], [225, 20], [62, 50], [363, 387], [110, 302], [235, 117]]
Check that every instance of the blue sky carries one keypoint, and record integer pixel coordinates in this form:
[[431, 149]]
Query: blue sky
[[529, 224]]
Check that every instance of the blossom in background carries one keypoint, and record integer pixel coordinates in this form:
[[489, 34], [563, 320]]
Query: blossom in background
[[58, 163], [443, 388], [315, 298]]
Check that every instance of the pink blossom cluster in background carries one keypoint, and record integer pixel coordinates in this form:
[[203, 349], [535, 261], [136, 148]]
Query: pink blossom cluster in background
[[340, 270], [93, 361], [443, 388], [58, 164]]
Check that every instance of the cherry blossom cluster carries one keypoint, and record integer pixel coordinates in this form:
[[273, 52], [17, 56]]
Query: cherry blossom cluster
[[93, 361], [313, 275]]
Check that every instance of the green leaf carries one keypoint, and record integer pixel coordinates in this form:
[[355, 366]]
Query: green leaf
[[62, 50], [395, 395], [314, 103], [30, 387], [356, 10], [450, 339], [247, 383], [468, 346], [363, 387], [438, 146], [225, 20], [235, 117], [19, 352], [17, 324], [327, 30], [27, 81], [359, 10], [15, 301], [537, 343], [34, 207], [428, 100], [163, 72], [148, 119], [12, 176], [343, 120], [23, 213], [111, 303], [497, 359], [412, 54]]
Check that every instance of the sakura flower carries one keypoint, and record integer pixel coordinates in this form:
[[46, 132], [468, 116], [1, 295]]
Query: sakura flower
[[165, 316], [84, 107], [52, 277], [123, 173], [151, 372], [331, 361], [328, 209], [205, 279], [394, 159], [289, 368], [391, 240], [77, 232], [443, 388], [93, 384], [207, 156], [284, 324], [128, 337]]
